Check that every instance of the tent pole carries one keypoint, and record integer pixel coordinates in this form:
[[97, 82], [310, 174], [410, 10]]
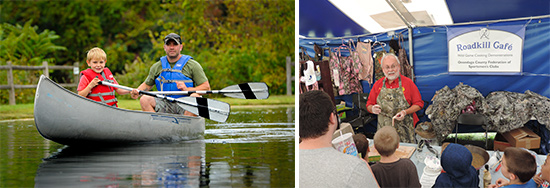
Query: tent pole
[[411, 50]]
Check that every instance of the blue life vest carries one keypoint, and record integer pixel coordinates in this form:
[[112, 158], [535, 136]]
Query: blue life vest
[[166, 81]]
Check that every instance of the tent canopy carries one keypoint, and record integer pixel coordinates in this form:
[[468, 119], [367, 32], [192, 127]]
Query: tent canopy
[[341, 18], [327, 24]]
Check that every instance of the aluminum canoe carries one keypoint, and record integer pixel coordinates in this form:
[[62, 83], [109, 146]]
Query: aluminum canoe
[[65, 117]]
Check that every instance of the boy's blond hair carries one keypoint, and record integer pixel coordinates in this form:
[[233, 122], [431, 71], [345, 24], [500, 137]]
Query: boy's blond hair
[[386, 141], [96, 53]]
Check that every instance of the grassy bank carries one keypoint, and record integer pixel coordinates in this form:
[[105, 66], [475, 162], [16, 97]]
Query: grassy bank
[[23, 111]]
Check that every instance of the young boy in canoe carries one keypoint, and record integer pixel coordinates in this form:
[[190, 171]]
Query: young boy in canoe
[[89, 79]]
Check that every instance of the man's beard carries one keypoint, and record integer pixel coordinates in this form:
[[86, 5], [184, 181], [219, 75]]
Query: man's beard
[[395, 75]]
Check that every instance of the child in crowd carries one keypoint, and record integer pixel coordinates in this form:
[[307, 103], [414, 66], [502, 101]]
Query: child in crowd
[[519, 166], [543, 178], [89, 79], [362, 145], [392, 171], [456, 161]]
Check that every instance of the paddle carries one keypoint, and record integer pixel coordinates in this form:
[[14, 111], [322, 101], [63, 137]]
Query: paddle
[[207, 108], [251, 90]]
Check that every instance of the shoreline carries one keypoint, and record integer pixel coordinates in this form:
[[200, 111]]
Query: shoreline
[[232, 107]]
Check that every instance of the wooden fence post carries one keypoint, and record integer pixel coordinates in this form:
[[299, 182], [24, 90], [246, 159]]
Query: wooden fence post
[[76, 73], [46, 69], [10, 83], [289, 77]]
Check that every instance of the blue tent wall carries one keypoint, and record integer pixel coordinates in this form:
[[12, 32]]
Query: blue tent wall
[[431, 60]]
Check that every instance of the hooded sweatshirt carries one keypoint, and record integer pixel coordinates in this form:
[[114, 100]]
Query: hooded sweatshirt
[[456, 161]]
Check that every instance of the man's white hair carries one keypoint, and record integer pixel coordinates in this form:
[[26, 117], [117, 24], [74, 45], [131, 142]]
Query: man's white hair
[[389, 54]]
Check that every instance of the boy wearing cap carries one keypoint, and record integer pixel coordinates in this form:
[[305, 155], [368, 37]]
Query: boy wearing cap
[[173, 72]]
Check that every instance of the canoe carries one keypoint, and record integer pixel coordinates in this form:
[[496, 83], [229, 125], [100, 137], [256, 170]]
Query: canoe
[[67, 118]]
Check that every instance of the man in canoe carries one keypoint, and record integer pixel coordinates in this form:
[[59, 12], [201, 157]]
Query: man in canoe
[[173, 72]]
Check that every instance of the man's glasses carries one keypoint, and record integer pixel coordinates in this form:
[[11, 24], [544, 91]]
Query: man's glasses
[[337, 117]]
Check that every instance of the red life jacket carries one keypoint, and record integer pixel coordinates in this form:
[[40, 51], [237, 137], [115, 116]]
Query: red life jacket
[[101, 93]]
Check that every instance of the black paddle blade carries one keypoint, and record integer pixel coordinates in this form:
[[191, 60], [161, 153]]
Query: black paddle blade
[[251, 90]]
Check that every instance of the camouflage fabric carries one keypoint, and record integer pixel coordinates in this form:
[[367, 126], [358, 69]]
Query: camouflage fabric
[[510, 110], [507, 110], [540, 107], [348, 71], [406, 68], [334, 64], [503, 110], [391, 102], [378, 73], [447, 105]]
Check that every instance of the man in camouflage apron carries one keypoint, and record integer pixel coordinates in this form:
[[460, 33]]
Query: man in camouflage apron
[[391, 105]]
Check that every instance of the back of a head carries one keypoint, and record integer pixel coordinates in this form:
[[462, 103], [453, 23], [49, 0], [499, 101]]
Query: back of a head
[[96, 53], [315, 109], [521, 163], [361, 143], [386, 140], [456, 156], [456, 160]]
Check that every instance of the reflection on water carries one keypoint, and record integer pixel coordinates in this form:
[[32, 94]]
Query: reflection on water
[[255, 148], [136, 165]]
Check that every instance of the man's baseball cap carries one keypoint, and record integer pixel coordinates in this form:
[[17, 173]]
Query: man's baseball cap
[[172, 36]]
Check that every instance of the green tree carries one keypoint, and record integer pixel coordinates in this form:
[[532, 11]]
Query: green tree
[[235, 41], [22, 45]]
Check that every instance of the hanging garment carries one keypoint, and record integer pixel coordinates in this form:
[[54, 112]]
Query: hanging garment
[[391, 102], [303, 55], [378, 73], [348, 71], [365, 54], [334, 66], [318, 52], [394, 45], [309, 78], [355, 68], [406, 68], [309, 74]]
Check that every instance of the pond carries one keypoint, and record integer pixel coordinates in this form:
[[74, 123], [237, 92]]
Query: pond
[[254, 148]]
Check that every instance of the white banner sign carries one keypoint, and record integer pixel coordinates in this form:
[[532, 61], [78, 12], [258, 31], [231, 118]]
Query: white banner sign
[[482, 50]]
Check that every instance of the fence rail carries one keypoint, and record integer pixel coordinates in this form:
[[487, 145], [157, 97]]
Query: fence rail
[[46, 69]]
